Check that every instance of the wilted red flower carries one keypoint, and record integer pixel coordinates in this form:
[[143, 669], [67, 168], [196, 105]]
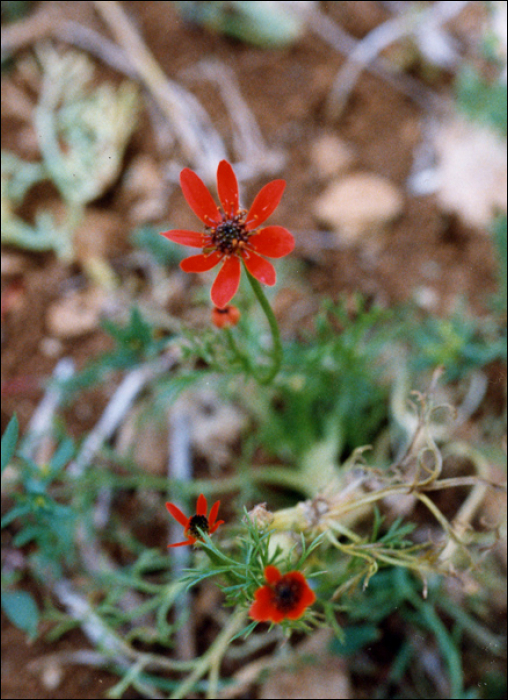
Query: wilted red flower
[[226, 317], [283, 596], [232, 234], [200, 520]]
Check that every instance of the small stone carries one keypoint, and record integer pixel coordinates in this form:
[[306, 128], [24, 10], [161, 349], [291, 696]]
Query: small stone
[[331, 156], [51, 347], [76, 314], [13, 264], [52, 675], [327, 677], [359, 206], [146, 191], [426, 297]]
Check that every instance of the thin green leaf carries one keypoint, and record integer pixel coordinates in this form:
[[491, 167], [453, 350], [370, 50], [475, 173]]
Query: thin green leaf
[[20, 608], [9, 440]]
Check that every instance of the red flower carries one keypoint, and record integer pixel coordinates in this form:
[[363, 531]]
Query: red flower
[[284, 596], [226, 317], [200, 520], [232, 234]]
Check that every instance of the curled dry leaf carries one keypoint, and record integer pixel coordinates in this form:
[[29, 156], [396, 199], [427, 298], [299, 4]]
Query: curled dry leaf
[[471, 171]]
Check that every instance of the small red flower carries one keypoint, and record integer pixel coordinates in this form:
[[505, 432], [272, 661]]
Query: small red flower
[[232, 234], [200, 520], [284, 596], [226, 317]]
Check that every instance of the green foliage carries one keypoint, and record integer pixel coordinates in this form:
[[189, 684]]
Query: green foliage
[[397, 592], [13, 10], [459, 343], [148, 238], [267, 25], [331, 381], [243, 573], [481, 100], [83, 130], [9, 441], [355, 638], [395, 536], [41, 519], [22, 611], [493, 686], [135, 343], [18, 177], [499, 231]]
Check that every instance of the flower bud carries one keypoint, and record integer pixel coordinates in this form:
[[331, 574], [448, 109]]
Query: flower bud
[[226, 317]]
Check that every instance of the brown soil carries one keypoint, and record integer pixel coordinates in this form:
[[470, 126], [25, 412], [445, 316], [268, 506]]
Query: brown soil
[[29, 672], [286, 91]]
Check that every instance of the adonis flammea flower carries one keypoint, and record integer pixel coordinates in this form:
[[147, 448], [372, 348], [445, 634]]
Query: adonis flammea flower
[[199, 521], [283, 597], [232, 235]]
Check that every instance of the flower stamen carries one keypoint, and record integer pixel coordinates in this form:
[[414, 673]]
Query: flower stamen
[[286, 594], [230, 234], [197, 523]]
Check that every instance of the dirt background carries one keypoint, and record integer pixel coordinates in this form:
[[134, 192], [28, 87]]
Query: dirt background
[[286, 90]]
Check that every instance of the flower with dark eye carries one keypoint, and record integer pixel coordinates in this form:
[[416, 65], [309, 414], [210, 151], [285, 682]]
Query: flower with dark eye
[[285, 596], [196, 523], [232, 235]]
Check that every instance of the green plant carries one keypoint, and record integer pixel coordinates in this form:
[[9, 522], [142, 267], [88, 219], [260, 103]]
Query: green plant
[[482, 100], [332, 389], [83, 131], [459, 343]]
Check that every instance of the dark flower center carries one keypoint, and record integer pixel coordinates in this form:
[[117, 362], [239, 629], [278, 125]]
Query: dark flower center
[[287, 594], [230, 235], [197, 523]]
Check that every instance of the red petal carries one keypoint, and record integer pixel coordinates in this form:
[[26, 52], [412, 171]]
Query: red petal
[[227, 282], [177, 514], [272, 575], [276, 615], [201, 263], [260, 268], [227, 186], [191, 238], [214, 510], [201, 505], [307, 596], [266, 202], [273, 241], [263, 608], [217, 524], [199, 198], [181, 544]]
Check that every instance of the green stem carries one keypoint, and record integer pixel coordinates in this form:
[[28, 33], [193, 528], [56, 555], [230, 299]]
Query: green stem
[[242, 358], [277, 351], [211, 659]]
